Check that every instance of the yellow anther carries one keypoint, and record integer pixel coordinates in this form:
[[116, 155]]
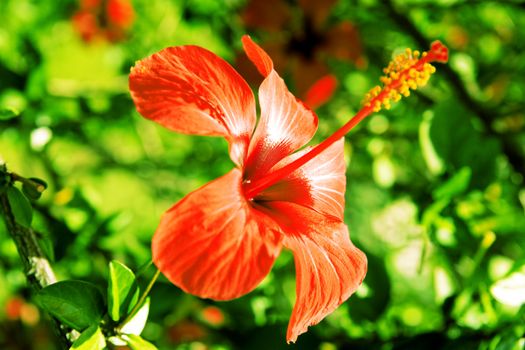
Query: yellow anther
[[405, 72], [385, 80], [396, 98]]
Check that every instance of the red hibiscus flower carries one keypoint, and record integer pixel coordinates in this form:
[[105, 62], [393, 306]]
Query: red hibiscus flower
[[221, 240], [104, 19]]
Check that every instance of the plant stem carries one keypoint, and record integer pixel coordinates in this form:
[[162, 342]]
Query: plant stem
[[143, 268], [142, 299], [37, 268]]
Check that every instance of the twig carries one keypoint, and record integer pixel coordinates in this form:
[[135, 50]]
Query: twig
[[37, 268]]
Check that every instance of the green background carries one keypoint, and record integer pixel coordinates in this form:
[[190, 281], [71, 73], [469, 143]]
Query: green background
[[435, 193]]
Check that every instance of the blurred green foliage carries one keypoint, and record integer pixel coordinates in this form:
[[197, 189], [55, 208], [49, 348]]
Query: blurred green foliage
[[435, 185]]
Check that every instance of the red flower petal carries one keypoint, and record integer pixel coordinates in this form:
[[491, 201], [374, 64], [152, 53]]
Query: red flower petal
[[329, 267], [213, 244], [285, 125], [321, 91], [120, 13], [191, 90], [257, 55], [319, 184]]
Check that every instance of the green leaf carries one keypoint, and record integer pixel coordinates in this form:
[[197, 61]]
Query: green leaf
[[137, 343], [8, 113], [77, 304], [35, 188], [46, 243], [91, 339], [135, 326], [456, 185], [123, 290], [459, 144], [138, 322], [510, 290], [4, 184], [20, 206]]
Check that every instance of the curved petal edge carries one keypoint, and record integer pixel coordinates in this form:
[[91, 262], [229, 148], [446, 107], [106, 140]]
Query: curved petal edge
[[191, 90], [257, 55], [329, 267]]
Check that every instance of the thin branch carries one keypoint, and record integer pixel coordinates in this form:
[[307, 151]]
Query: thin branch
[[37, 268]]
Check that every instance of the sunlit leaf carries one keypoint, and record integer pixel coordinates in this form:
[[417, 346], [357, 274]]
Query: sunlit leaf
[[510, 290], [137, 343], [137, 322], [123, 290], [91, 339]]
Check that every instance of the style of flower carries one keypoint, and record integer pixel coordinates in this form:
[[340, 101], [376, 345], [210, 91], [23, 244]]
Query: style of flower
[[106, 19], [221, 240]]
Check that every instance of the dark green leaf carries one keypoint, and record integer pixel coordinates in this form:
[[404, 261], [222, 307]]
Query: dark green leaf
[[373, 305], [20, 206], [34, 188], [91, 339], [4, 183], [46, 244], [123, 290], [460, 145], [39, 182], [6, 114], [77, 304]]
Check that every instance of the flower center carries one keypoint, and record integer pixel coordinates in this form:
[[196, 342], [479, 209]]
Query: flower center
[[405, 72]]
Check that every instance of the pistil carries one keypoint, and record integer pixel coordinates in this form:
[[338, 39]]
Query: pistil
[[406, 72]]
